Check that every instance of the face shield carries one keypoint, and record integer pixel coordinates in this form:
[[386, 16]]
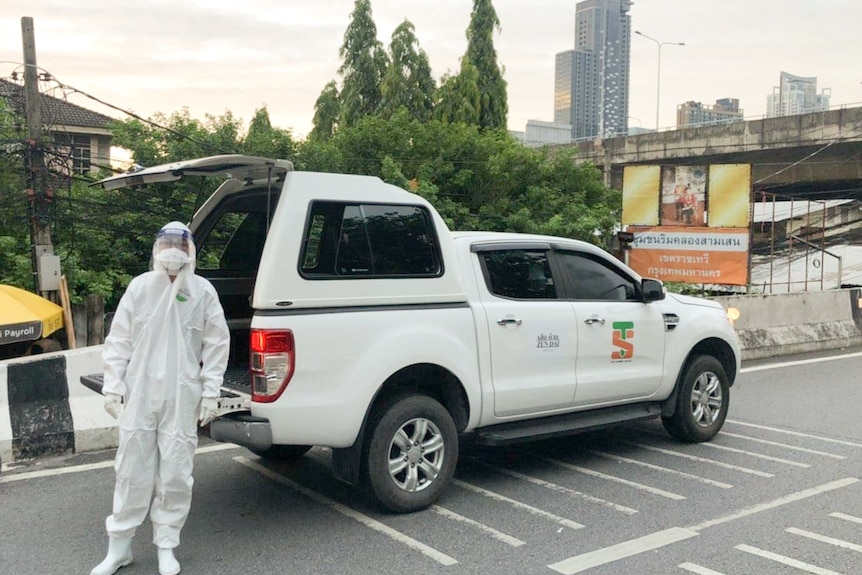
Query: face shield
[[174, 248]]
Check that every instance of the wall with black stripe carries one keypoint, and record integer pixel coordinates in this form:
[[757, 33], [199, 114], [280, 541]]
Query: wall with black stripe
[[39, 408]]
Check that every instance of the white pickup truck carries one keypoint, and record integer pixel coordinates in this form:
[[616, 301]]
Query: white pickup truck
[[365, 325]]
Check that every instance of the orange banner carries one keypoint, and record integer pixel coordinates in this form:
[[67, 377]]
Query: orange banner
[[691, 255]]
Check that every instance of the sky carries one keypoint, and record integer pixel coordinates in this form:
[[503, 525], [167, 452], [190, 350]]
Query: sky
[[213, 56]]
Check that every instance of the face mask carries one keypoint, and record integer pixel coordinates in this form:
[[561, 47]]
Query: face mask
[[173, 259]]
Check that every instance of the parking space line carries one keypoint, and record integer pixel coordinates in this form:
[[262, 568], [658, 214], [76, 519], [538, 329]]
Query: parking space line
[[793, 497], [640, 486], [789, 561], [796, 433], [429, 552], [559, 488], [523, 506], [499, 535], [754, 368], [660, 468], [784, 445], [585, 561], [699, 459], [698, 569], [753, 454], [825, 539], [846, 517]]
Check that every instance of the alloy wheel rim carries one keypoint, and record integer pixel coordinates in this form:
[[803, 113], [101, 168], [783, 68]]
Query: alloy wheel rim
[[416, 455], [706, 399]]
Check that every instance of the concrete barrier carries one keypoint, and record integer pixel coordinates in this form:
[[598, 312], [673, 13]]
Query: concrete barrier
[[783, 324], [46, 410]]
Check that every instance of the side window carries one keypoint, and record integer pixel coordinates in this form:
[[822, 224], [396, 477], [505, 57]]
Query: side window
[[593, 279], [369, 240], [519, 274], [234, 244]]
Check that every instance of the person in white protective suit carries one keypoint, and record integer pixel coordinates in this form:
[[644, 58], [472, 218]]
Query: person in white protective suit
[[164, 361]]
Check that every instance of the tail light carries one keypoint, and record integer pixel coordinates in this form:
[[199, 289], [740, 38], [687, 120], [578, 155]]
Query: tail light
[[273, 358]]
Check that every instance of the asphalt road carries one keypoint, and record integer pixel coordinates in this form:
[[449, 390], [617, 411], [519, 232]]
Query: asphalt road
[[777, 492]]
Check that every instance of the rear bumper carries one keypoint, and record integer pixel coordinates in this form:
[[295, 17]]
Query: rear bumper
[[243, 429]]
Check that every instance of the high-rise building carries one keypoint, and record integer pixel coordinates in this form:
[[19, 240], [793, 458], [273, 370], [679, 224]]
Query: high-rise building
[[591, 85], [796, 95], [693, 113]]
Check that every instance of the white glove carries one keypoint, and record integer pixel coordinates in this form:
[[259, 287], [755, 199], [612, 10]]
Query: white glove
[[114, 404], [209, 407]]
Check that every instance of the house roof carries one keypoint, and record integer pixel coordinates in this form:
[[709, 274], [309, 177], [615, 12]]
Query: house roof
[[55, 112]]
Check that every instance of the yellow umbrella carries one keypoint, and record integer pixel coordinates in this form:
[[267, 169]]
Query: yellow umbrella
[[25, 316]]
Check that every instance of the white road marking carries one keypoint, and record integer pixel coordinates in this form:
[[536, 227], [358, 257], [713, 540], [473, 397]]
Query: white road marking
[[499, 535], [662, 469], [784, 445], [796, 433], [559, 488], [798, 362], [700, 459], [698, 569], [825, 539], [789, 561], [641, 486], [846, 517], [429, 552], [753, 454], [793, 497], [523, 506], [93, 466], [585, 561]]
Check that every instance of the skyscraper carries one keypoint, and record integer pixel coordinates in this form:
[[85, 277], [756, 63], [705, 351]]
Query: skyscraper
[[796, 95], [591, 85]]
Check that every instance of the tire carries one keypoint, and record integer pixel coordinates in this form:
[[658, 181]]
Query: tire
[[283, 452], [702, 401], [411, 453]]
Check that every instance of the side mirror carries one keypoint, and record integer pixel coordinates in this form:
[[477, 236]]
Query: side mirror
[[653, 290]]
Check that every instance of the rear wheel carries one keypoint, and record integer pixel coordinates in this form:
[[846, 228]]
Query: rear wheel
[[283, 452], [412, 452], [702, 401]]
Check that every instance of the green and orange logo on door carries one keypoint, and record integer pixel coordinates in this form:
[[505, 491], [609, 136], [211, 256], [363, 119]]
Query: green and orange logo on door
[[624, 332]]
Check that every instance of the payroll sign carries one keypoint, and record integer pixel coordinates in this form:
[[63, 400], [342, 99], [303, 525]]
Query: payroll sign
[[692, 255]]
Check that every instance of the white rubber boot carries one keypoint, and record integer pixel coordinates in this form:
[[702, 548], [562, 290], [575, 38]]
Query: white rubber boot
[[119, 555], [168, 564]]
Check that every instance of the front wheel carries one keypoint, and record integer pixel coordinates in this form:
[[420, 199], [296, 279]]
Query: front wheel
[[702, 401], [412, 452]]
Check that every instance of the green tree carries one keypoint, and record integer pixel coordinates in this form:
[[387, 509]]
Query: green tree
[[407, 83], [326, 111], [458, 98], [264, 140], [493, 107], [363, 66]]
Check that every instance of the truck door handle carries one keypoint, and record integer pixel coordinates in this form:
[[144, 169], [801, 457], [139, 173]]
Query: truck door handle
[[509, 321], [595, 319]]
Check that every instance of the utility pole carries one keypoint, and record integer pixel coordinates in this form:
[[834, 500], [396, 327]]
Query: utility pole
[[46, 265]]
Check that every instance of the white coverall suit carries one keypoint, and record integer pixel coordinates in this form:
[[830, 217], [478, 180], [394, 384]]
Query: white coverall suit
[[168, 347]]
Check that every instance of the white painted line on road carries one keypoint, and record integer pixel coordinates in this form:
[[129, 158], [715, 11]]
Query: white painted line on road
[[846, 517], [784, 445], [93, 466], [678, 473], [825, 539], [429, 552], [640, 486], [796, 433], [523, 506], [798, 362], [585, 561], [793, 497], [790, 562], [753, 454], [698, 569], [498, 535], [700, 459], [559, 488]]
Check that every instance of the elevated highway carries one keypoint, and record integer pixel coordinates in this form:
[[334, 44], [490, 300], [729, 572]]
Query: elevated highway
[[811, 156]]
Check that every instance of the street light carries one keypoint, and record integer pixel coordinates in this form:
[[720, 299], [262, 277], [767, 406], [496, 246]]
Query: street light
[[658, 81]]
